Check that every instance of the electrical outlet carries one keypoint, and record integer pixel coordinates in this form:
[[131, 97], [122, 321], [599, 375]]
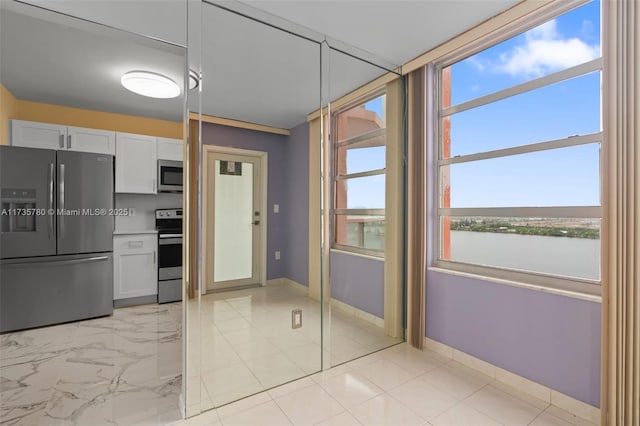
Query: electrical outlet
[[296, 318], [277, 255], [276, 208]]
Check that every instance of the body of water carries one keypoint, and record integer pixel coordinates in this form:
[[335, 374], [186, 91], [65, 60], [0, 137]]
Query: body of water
[[573, 257]]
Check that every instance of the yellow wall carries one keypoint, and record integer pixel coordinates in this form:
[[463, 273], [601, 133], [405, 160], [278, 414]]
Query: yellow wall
[[7, 111], [56, 114]]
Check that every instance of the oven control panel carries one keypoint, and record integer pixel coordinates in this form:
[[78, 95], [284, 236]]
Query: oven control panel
[[169, 214]]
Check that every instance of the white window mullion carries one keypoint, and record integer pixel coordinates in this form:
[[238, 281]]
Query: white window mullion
[[360, 212], [576, 71], [525, 149], [361, 174], [363, 137]]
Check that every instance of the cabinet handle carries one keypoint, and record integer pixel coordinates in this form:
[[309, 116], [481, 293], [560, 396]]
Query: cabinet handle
[[68, 141], [154, 257], [61, 141], [154, 185], [136, 244]]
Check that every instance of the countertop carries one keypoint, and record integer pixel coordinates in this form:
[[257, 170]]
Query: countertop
[[134, 231]]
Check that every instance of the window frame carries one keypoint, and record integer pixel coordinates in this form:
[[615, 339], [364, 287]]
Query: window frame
[[436, 115], [335, 177]]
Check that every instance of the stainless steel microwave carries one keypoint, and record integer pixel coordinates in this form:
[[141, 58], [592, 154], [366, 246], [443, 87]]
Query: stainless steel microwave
[[169, 176]]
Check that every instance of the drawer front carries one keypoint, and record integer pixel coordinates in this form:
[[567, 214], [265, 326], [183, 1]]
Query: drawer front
[[133, 242]]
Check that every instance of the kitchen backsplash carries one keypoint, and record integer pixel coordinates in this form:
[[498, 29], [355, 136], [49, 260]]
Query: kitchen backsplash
[[143, 217]]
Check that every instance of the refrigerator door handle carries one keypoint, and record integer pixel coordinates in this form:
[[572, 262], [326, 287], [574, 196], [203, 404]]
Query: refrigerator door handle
[[10, 264], [61, 201], [50, 211]]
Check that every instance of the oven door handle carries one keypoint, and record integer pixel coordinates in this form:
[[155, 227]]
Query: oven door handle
[[162, 236], [170, 241]]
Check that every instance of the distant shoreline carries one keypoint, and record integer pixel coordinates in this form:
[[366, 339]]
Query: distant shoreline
[[508, 228]]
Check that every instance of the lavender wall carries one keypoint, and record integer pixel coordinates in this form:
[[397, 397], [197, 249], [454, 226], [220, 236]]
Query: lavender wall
[[295, 253], [275, 146], [551, 339], [358, 281]]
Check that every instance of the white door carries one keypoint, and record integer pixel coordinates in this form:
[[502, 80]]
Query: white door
[[38, 135], [237, 220], [91, 140]]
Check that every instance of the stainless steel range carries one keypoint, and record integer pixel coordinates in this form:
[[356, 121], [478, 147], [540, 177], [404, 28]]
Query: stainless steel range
[[169, 226]]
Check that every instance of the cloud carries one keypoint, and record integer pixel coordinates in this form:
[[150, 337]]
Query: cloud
[[477, 62], [587, 28], [545, 51]]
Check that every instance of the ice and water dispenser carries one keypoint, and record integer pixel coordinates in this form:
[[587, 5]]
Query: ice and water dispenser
[[18, 210]]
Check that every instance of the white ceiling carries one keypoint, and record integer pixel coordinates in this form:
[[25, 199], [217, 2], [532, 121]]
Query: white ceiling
[[58, 60], [251, 71], [261, 74], [392, 30]]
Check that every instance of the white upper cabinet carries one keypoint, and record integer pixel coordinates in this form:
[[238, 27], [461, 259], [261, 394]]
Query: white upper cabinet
[[136, 164], [37, 135], [170, 149], [91, 140], [54, 136]]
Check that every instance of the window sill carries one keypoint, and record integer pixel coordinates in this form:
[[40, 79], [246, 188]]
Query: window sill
[[534, 287], [354, 253]]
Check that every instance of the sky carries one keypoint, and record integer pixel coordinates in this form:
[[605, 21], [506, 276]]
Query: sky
[[568, 176], [367, 192]]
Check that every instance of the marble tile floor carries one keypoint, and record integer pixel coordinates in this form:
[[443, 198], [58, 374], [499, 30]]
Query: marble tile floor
[[119, 370], [125, 370], [398, 386], [246, 345]]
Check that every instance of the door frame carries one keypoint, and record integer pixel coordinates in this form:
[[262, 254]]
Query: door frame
[[208, 151]]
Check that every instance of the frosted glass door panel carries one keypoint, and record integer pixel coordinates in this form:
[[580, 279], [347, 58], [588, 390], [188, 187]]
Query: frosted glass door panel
[[234, 210]]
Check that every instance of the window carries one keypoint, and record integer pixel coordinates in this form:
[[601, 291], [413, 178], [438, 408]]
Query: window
[[519, 137], [359, 177]]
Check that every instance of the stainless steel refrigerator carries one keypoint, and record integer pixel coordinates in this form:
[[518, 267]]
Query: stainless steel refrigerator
[[56, 239]]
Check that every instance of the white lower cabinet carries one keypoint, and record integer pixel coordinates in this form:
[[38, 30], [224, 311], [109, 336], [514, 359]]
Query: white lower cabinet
[[135, 263]]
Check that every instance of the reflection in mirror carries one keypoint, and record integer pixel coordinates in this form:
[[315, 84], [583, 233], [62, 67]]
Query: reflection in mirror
[[365, 269], [84, 338], [257, 325]]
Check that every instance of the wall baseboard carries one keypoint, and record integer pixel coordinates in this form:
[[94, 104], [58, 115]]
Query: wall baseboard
[[335, 303], [516, 382], [286, 281], [358, 313]]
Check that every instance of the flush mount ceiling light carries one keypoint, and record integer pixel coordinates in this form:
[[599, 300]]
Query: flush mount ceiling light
[[150, 84], [194, 80]]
